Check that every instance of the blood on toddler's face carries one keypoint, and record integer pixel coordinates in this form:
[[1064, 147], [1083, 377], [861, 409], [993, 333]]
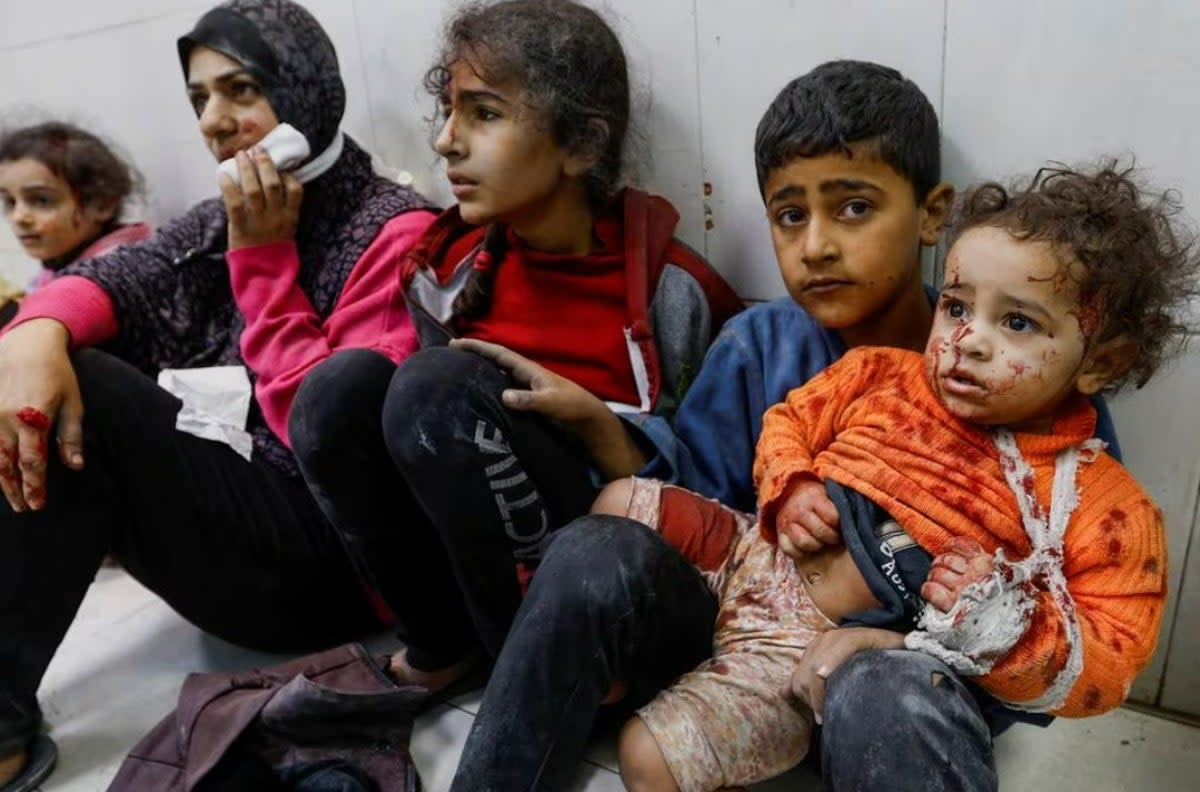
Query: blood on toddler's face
[[1007, 347]]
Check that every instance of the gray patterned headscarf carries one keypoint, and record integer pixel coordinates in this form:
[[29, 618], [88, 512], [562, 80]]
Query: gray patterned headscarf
[[287, 51], [171, 293]]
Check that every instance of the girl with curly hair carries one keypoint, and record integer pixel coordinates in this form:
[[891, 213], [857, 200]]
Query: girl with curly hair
[[578, 317]]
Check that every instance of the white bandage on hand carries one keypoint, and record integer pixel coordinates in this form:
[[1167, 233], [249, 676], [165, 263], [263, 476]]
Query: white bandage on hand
[[988, 619]]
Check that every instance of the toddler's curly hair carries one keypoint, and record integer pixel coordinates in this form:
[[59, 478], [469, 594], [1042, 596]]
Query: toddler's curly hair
[[1139, 264]]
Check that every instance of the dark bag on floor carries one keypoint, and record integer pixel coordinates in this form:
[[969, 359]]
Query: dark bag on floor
[[328, 722]]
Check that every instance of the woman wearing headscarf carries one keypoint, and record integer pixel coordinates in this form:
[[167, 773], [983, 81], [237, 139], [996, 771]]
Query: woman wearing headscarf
[[271, 279]]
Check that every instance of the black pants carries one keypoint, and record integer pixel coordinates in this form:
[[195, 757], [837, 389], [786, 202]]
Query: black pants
[[611, 601], [903, 720], [237, 548], [441, 490]]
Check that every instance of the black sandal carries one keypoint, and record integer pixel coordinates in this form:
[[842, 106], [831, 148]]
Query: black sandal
[[41, 755]]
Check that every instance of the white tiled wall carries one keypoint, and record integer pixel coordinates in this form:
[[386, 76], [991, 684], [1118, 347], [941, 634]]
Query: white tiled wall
[[1016, 83]]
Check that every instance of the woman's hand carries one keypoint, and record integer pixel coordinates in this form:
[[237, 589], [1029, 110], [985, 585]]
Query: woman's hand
[[37, 388], [828, 651], [265, 207], [568, 404]]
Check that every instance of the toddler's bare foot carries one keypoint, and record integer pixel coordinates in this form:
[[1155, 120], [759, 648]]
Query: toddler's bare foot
[[433, 681], [10, 767]]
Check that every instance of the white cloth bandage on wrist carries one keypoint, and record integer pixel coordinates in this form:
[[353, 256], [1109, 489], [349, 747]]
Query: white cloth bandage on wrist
[[991, 616]]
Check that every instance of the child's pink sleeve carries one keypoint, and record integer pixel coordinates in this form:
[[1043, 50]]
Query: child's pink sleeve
[[285, 338], [80, 304]]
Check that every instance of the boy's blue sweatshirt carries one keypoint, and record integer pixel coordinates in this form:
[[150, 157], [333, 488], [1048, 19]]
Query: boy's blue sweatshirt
[[760, 355]]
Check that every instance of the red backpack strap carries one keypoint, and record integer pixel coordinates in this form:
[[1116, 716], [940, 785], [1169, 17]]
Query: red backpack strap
[[641, 277], [431, 247], [637, 274]]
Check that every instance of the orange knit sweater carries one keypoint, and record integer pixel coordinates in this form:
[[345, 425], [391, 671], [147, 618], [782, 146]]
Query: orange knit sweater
[[871, 422]]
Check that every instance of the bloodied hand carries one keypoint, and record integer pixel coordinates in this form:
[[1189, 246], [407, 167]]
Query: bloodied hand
[[39, 404], [807, 522], [964, 562]]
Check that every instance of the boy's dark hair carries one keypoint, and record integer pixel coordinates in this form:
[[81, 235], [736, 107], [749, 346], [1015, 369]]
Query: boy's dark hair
[[94, 173], [574, 73], [843, 102], [1139, 268]]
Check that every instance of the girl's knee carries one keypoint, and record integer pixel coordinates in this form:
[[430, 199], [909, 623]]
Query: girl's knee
[[434, 376], [614, 498], [643, 766], [436, 398], [336, 402]]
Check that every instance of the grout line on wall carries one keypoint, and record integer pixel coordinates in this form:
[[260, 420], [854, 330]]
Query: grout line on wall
[[945, 46], [1185, 718], [1169, 629], [699, 110], [362, 61], [937, 253], [81, 34]]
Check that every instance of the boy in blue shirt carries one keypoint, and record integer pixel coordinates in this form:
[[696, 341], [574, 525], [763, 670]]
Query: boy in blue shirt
[[816, 138], [848, 162]]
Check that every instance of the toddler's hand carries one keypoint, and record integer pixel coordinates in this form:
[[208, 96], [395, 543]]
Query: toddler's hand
[[964, 563], [807, 522]]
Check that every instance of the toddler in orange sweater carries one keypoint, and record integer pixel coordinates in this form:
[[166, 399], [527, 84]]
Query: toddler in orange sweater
[[1048, 576]]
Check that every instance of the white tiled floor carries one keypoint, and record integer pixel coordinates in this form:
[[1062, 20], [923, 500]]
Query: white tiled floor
[[121, 664]]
